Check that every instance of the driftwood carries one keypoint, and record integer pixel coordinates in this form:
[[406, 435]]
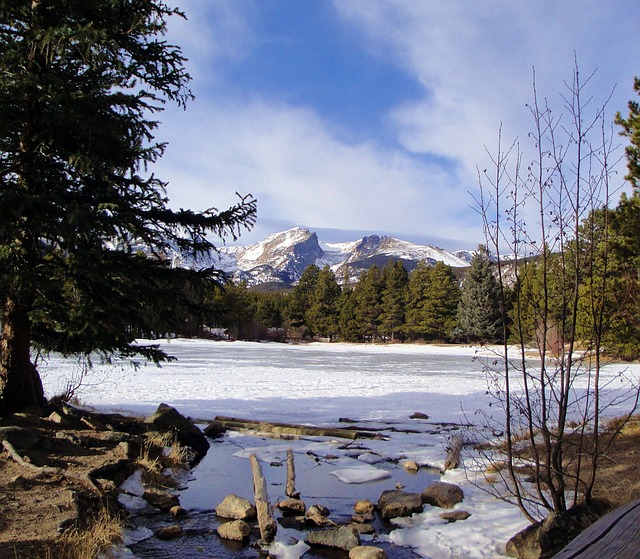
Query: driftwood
[[291, 476], [267, 524], [266, 427], [82, 479], [614, 536], [454, 447]]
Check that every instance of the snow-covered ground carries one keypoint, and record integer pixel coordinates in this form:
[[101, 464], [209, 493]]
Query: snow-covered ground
[[318, 384]]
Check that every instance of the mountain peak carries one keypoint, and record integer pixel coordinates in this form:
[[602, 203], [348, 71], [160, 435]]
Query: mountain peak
[[282, 257]]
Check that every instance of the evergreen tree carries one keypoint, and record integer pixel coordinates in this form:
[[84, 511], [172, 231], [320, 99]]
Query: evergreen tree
[[479, 312], [368, 296], [82, 222], [394, 285], [323, 312], [416, 295], [440, 306], [347, 322], [299, 300]]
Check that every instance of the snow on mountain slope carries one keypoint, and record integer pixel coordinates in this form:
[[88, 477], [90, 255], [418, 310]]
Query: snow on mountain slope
[[282, 257]]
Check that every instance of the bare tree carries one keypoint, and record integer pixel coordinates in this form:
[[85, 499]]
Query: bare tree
[[550, 216]]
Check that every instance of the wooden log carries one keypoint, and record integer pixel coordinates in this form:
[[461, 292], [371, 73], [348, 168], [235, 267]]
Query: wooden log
[[291, 476], [614, 536], [454, 447], [267, 427], [267, 524]]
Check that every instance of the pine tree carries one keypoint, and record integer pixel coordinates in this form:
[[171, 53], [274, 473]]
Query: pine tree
[[368, 297], [394, 285], [299, 300], [479, 311], [441, 304], [323, 312], [83, 224], [416, 297]]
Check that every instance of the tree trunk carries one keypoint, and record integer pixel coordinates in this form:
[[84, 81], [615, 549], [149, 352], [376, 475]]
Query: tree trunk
[[20, 384]]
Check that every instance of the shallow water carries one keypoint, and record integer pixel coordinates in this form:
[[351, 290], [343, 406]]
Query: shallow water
[[225, 469]]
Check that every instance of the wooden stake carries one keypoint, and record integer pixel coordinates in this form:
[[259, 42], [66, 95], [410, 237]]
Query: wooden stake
[[291, 477], [267, 524]]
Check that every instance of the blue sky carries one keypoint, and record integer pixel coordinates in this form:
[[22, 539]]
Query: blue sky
[[352, 117]]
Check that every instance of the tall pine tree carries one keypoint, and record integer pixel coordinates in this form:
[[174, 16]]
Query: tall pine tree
[[83, 224], [479, 310]]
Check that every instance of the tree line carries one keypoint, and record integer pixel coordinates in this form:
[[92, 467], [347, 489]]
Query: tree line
[[431, 304]]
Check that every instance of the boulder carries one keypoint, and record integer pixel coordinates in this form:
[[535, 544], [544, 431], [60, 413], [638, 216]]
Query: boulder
[[169, 532], [237, 508], [319, 515], [167, 419], [455, 515], [344, 537], [411, 466], [443, 495], [161, 499], [178, 512], [237, 530], [395, 502], [294, 507], [364, 528], [418, 415], [367, 552], [364, 507], [544, 539]]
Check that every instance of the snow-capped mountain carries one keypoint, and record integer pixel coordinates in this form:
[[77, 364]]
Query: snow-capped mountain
[[282, 257]]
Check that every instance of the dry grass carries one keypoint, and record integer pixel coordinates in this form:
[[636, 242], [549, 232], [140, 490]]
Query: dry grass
[[102, 533], [159, 452]]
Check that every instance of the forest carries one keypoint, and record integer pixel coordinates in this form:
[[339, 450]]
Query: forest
[[432, 304]]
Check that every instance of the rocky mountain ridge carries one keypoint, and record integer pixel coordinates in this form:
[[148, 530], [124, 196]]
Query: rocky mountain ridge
[[282, 257]]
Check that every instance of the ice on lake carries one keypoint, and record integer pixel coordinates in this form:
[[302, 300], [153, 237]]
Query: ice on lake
[[376, 385]]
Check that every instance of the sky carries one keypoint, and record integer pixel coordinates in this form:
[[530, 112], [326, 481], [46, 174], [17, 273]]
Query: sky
[[356, 117]]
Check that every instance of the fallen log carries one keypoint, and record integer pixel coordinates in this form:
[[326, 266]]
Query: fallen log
[[267, 524], [267, 427]]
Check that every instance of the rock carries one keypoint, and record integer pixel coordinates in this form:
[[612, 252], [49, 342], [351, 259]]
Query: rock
[[237, 530], [544, 539], [362, 518], [215, 429], [319, 515], [367, 552], [344, 537], [443, 495], [236, 507], [364, 507], [299, 523], [418, 415], [169, 532], [320, 510], [169, 420], [160, 499], [294, 507], [455, 515], [178, 512], [364, 528], [395, 502], [411, 466]]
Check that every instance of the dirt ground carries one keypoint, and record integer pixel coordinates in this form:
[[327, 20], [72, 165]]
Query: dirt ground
[[79, 470], [84, 465]]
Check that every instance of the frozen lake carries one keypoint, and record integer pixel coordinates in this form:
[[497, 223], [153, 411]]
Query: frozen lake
[[319, 384]]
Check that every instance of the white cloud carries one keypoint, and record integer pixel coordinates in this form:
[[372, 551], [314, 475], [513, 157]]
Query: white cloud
[[302, 174], [475, 62]]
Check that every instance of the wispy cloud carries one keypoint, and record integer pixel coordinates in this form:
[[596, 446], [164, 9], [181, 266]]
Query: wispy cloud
[[471, 61]]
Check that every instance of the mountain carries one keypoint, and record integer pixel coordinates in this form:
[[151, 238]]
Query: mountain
[[282, 257]]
